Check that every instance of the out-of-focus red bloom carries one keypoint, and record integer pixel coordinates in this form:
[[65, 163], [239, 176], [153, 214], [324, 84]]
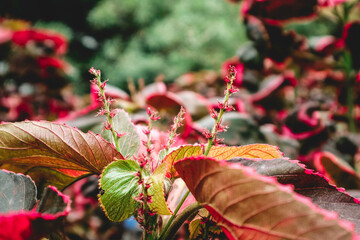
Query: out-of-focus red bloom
[[276, 11], [54, 41], [234, 61], [50, 62], [5, 35]]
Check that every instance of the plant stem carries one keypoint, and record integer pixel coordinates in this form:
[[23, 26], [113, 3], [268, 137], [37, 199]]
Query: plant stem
[[175, 212], [180, 219]]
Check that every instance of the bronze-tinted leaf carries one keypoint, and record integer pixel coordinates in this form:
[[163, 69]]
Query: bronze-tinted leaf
[[251, 206], [61, 149]]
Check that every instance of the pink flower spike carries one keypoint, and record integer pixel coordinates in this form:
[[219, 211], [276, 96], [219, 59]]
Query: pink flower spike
[[207, 133], [113, 113], [107, 125], [120, 135], [146, 132], [92, 70], [233, 90], [103, 84], [229, 108], [214, 113], [102, 111]]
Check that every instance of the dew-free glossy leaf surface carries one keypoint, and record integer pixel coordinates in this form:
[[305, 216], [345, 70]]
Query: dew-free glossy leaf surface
[[119, 185], [250, 206], [26, 145]]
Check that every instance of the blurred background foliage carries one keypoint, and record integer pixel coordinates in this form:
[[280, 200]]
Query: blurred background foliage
[[131, 39]]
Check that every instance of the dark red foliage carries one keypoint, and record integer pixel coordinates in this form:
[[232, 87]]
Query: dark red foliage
[[275, 11], [351, 38]]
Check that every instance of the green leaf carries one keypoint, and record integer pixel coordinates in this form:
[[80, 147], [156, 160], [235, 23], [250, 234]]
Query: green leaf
[[248, 204], [156, 191], [130, 142], [119, 185], [17, 192], [64, 150], [194, 228]]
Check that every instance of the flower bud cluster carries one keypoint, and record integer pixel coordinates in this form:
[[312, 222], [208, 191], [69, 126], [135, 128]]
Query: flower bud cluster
[[178, 122], [223, 107], [144, 213], [105, 110]]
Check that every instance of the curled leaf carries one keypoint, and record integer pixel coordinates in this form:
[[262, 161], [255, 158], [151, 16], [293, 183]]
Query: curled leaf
[[156, 191]]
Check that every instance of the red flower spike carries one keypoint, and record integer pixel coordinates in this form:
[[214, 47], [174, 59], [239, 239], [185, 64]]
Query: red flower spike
[[113, 113], [214, 114], [93, 71], [120, 135], [221, 105], [102, 111], [107, 125], [103, 84], [207, 133]]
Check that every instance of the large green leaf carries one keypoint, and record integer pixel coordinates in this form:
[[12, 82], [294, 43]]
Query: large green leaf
[[130, 142], [250, 206], [119, 185], [66, 151]]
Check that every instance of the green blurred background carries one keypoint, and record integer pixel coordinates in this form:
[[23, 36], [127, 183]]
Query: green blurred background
[[137, 38]]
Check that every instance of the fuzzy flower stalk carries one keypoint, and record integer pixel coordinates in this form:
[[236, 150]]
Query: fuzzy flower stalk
[[217, 115], [106, 106]]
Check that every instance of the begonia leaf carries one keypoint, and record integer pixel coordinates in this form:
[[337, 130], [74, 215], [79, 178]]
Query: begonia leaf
[[64, 150], [310, 184], [156, 191], [130, 142], [180, 153], [119, 186], [262, 151], [22, 216], [251, 206]]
